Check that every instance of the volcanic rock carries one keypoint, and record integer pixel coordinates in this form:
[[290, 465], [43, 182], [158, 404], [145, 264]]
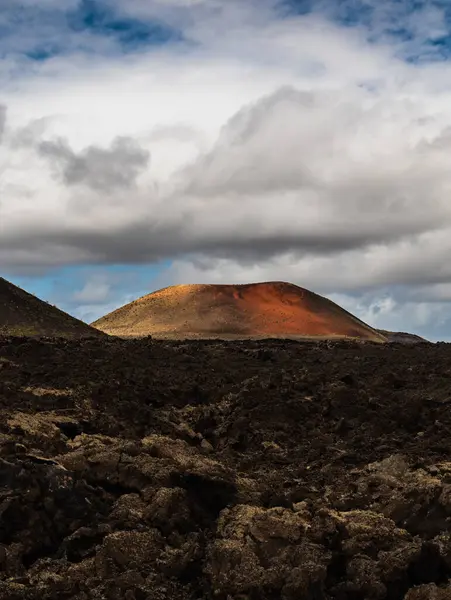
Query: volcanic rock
[[216, 470]]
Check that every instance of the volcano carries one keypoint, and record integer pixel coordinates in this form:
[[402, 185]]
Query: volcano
[[271, 309], [22, 314]]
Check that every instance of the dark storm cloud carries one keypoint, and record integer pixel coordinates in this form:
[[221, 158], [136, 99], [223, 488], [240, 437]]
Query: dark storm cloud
[[103, 170]]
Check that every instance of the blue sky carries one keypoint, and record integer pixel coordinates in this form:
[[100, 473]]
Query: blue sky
[[128, 32], [41, 31], [151, 143], [82, 289]]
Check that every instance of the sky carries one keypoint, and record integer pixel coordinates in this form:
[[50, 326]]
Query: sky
[[154, 142]]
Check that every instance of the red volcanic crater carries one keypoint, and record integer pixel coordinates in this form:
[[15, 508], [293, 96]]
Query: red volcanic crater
[[253, 310]]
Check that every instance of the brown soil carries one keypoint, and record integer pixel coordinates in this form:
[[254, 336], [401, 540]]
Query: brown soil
[[22, 314], [264, 470], [260, 309]]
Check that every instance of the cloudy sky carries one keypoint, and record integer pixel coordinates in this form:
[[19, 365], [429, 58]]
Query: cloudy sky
[[153, 142]]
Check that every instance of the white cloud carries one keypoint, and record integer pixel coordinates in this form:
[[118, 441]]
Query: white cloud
[[385, 311], [96, 290]]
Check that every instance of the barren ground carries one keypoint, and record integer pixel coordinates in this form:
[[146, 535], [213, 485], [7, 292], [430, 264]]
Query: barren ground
[[140, 469]]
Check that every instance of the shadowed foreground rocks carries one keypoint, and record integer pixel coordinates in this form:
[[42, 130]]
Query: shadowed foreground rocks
[[224, 470]]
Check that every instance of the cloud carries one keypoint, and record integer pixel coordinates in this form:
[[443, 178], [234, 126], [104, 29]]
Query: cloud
[[96, 290], [101, 169], [2, 121], [392, 312], [322, 171], [319, 173], [416, 29]]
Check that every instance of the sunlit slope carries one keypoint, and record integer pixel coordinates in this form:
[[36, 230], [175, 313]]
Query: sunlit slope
[[257, 309]]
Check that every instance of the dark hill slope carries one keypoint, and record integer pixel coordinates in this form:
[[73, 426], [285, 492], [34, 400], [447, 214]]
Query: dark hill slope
[[22, 314]]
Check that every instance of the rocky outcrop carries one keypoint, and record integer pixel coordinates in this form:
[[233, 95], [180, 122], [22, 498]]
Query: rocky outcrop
[[219, 471]]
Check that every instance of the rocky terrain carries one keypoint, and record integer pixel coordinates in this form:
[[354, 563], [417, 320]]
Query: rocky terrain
[[143, 470], [22, 314], [256, 310]]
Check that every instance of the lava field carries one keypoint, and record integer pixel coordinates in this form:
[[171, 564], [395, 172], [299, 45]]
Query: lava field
[[252, 470]]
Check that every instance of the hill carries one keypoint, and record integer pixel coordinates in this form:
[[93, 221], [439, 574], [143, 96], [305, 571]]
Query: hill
[[402, 337], [23, 314], [272, 309]]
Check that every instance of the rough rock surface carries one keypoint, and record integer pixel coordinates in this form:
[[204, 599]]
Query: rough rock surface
[[144, 470]]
